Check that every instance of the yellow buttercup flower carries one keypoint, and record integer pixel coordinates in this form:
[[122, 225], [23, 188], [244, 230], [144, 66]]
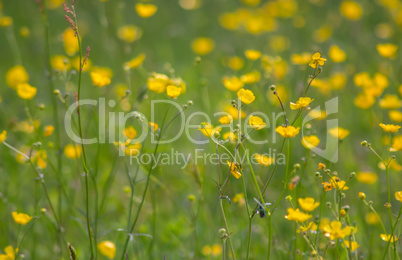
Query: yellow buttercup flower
[[366, 177], [310, 142], [317, 60], [154, 126], [6, 21], [72, 151], [395, 116], [372, 218], [308, 204], [311, 226], [388, 237], [389, 128], [206, 250], [351, 10], [234, 113], [75, 62], [234, 169], [157, 82], [235, 63], [145, 10], [387, 50], [135, 62], [398, 196], [225, 120], [364, 101], [9, 253], [397, 143], [263, 159], [336, 54], [133, 149], [70, 42], [327, 186], [107, 248], [3, 136], [209, 130], [335, 231], [230, 136], [173, 91], [317, 114], [60, 62], [129, 33], [130, 132], [99, 80], [353, 246], [252, 54], [232, 83], [390, 102], [21, 218], [256, 122], [26, 91], [246, 96], [287, 131], [301, 59], [48, 131], [339, 132], [297, 215], [339, 184], [251, 77], [302, 102], [16, 76], [203, 45], [338, 80]]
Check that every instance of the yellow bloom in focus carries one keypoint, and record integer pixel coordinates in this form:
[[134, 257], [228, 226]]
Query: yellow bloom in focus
[[48, 130], [297, 215], [398, 196], [308, 204], [390, 128], [203, 45], [234, 169], [60, 62], [107, 248], [3, 136], [130, 132], [154, 126], [387, 50], [388, 237], [390, 102], [232, 83], [246, 96], [208, 130], [395, 116], [10, 253], [173, 91], [256, 122], [6, 21], [263, 159], [133, 149], [145, 10], [129, 33], [336, 54], [339, 184], [72, 151], [225, 120], [366, 177], [317, 60], [310, 142], [21, 218], [351, 10], [99, 79], [26, 91], [135, 63], [252, 54], [302, 102], [16, 75], [251, 77], [287, 131], [353, 246], [311, 226], [157, 82], [70, 42], [334, 230], [339, 132], [327, 186]]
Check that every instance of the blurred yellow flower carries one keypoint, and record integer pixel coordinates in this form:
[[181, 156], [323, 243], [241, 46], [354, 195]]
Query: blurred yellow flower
[[6, 21], [232, 83], [398, 196], [372, 218], [387, 50], [327, 186], [21, 218], [256, 122], [338, 80], [70, 42], [173, 91], [230, 136], [388, 237], [99, 79], [336, 54], [157, 82], [9, 253], [130, 132], [234, 169], [72, 151], [107, 248], [26, 91], [16, 75], [235, 63], [302, 102], [323, 33], [206, 250], [145, 10], [75, 62], [339, 132], [308, 204], [208, 130], [216, 250], [135, 62], [234, 112], [263, 159], [202, 45], [252, 54], [317, 60], [225, 120], [251, 77], [3, 136], [239, 198], [53, 4], [366, 177], [311, 226], [154, 126], [246, 96], [353, 246], [351, 10], [390, 128], [397, 143], [395, 116], [133, 149], [390, 102], [364, 101], [297, 215], [335, 231], [301, 59], [310, 142], [48, 131], [251, 2], [317, 114], [129, 33], [60, 62], [287, 131]]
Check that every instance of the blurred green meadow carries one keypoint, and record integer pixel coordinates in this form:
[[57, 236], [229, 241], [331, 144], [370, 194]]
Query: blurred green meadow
[[213, 192]]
